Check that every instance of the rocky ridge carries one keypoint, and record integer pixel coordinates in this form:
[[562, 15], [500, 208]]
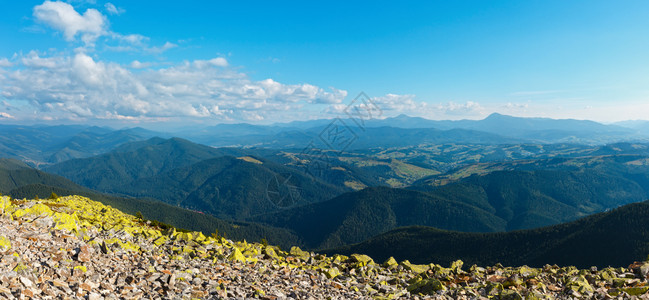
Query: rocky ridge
[[73, 247]]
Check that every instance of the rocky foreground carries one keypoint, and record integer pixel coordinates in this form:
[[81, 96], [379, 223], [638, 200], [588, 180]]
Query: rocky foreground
[[76, 248]]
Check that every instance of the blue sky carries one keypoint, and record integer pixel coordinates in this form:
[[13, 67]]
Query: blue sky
[[145, 62]]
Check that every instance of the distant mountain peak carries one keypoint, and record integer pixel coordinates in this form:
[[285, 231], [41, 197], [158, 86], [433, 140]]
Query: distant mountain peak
[[404, 117], [496, 115]]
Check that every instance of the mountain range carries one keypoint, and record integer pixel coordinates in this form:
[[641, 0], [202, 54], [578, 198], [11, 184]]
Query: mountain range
[[495, 202], [238, 184], [333, 184], [610, 238], [495, 128], [44, 145], [225, 182]]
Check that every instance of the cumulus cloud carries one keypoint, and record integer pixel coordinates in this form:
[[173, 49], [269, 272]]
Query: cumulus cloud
[[214, 62], [4, 62], [114, 10], [63, 17], [400, 103], [92, 25], [332, 97], [81, 86], [35, 61], [88, 71]]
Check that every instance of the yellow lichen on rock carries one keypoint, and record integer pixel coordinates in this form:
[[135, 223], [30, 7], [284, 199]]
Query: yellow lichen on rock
[[361, 260], [414, 268], [390, 263], [81, 268], [66, 222], [331, 272], [92, 212], [160, 240], [176, 256], [299, 253], [183, 236], [5, 204], [5, 244], [236, 255], [199, 237], [36, 210]]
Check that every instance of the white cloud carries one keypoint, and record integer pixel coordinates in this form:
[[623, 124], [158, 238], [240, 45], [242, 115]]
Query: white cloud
[[252, 116], [112, 9], [4, 115], [91, 25], [133, 39], [163, 48], [400, 103], [88, 71], [83, 87], [136, 43], [389, 105], [335, 96], [62, 16], [136, 64], [4, 62], [214, 62], [35, 61]]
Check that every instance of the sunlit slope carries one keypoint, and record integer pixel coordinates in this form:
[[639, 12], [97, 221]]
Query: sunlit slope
[[22, 181]]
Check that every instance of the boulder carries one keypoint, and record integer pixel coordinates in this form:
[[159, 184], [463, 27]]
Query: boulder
[[236, 255], [332, 272], [426, 287], [299, 253], [579, 284], [636, 291], [360, 260], [414, 268], [390, 263]]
